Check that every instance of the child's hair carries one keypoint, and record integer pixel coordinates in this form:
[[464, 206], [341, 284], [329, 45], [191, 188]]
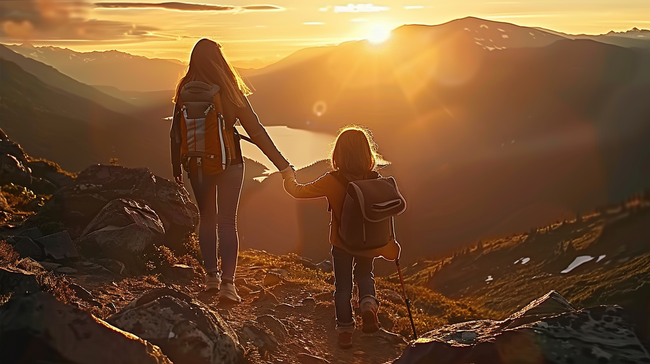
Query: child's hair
[[355, 151]]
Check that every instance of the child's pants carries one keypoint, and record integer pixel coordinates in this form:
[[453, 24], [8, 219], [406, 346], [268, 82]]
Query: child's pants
[[344, 263]]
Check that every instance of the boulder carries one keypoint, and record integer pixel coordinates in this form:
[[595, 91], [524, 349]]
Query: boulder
[[548, 330], [16, 280], [58, 246], [77, 205], [50, 171], [37, 328], [185, 329], [26, 247], [13, 170], [122, 230]]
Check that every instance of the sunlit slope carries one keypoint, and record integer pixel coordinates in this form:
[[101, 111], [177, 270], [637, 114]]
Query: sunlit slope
[[73, 131], [52, 77], [483, 142], [124, 71]]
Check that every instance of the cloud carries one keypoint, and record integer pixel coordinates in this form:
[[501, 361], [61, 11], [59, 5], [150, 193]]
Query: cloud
[[55, 20], [359, 8], [181, 6]]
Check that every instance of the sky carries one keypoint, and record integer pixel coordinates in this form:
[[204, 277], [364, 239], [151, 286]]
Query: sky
[[272, 30]]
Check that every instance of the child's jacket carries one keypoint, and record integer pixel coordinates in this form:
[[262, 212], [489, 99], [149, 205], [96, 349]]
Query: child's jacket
[[328, 186]]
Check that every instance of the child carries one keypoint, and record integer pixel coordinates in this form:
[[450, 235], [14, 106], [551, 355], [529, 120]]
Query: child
[[354, 157]]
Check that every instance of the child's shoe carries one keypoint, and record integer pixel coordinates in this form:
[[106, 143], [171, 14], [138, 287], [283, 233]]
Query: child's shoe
[[228, 293], [369, 307], [212, 281], [345, 340]]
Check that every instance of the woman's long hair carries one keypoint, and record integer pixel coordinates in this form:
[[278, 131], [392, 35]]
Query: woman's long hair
[[355, 152], [208, 64]]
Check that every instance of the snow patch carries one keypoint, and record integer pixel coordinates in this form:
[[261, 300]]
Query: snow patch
[[501, 30], [601, 258], [504, 36], [522, 260], [576, 262], [484, 26], [489, 279]]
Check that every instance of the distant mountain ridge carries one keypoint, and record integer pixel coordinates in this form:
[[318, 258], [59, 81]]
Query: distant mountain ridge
[[122, 70]]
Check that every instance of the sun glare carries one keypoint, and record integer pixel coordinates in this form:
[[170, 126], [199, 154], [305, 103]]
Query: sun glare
[[378, 33]]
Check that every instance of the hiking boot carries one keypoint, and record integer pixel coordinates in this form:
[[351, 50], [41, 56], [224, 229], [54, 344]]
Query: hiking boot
[[228, 293], [369, 307], [345, 340], [212, 281]]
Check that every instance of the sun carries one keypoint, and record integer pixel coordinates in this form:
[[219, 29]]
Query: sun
[[378, 33]]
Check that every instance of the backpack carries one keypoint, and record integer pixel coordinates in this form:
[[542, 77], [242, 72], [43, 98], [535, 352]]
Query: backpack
[[369, 208], [207, 140]]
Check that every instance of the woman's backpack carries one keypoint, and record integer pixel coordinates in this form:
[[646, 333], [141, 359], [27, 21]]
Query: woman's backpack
[[369, 208], [207, 140]]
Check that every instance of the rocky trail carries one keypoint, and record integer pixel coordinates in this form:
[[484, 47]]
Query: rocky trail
[[104, 267]]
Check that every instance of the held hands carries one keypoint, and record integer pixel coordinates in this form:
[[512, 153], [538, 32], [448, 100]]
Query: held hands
[[288, 173]]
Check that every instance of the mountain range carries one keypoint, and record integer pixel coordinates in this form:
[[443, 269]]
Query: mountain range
[[490, 127]]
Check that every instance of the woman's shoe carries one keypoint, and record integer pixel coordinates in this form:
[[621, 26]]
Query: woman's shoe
[[345, 340], [212, 281], [228, 293], [369, 308]]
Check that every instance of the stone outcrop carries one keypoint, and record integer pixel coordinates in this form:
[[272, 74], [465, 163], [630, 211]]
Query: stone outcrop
[[37, 328], [186, 330], [122, 230], [548, 330], [77, 205]]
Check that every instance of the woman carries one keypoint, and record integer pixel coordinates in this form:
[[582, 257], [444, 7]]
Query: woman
[[217, 195], [354, 158]]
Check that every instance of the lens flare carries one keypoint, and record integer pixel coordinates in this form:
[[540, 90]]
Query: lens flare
[[378, 33]]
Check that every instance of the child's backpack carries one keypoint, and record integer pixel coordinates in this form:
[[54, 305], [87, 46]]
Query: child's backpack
[[369, 208], [207, 140]]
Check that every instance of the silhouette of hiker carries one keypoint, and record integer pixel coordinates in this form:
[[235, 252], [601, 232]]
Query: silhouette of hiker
[[218, 194], [354, 157]]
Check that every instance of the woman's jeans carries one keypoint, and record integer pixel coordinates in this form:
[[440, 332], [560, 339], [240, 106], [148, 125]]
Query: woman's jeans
[[344, 265], [218, 197]]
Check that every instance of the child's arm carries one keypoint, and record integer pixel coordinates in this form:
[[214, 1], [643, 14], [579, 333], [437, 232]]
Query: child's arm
[[309, 190]]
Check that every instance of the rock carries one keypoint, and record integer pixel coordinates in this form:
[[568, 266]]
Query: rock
[[13, 170], [112, 265], [58, 246], [75, 206], [37, 328], [66, 270], [122, 230], [50, 265], [26, 247], [304, 358], [391, 296], [81, 292], [263, 339], [32, 233], [185, 329], [271, 279], [17, 280], [178, 272], [325, 266], [548, 330], [50, 171], [276, 326], [385, 321]]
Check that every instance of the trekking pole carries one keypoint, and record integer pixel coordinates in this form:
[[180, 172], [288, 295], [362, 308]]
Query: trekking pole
[[406, 299]]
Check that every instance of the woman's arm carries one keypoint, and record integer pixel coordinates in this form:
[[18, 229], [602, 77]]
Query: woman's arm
[[259, 136], [317, 188]]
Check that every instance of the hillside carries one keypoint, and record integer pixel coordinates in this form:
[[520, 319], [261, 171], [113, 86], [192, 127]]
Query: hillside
[[147, 284], [483, 142], [124, 71], [53, 123], [53, 77], [599, 258]]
